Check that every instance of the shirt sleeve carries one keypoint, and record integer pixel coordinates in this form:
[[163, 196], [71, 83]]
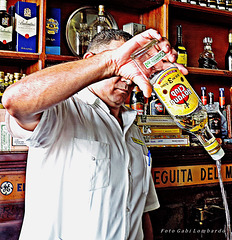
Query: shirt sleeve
[[45, 132], [14, 129]]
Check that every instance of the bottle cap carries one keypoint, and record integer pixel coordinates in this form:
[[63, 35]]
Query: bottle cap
[[218, 155]]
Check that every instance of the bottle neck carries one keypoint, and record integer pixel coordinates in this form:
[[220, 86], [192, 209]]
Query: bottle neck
[[207, 47], [211, 98], [230, 38], [101, 11], [179, 35]]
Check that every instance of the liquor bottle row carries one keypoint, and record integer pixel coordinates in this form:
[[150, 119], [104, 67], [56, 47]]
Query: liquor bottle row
[[6, 80], [219, 4], [207, 57], [217, 110], [18, 26], [143, 106], [217, 115]]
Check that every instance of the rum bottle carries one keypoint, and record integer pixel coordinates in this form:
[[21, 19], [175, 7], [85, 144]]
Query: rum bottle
[[137, 100], [177, 96], [181, 50], [228, 57], [6, 27]]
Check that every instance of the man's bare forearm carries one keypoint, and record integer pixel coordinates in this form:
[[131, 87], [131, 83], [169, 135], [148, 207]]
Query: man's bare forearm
[[45, 88]]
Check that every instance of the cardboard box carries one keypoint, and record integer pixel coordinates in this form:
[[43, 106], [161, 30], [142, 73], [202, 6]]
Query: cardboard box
[[26, 26], [7, 142], [134, 28], [53, 31], [155, 120], [167, 141]]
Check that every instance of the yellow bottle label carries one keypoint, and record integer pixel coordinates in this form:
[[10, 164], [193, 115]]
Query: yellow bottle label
[[175, 92], [182, 59]]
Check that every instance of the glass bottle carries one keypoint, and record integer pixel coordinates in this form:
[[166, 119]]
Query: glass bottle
[[82, 35], [203, 3], [228, 56], [204, 95], [229, 5], [100, 23], [137, 100], [155, 107], [195, 2], [221, 4], [2, 89], [211, 3], [6, 27], [214, 118], [177, 96], [181, 50], [206, 59], [222, 108]]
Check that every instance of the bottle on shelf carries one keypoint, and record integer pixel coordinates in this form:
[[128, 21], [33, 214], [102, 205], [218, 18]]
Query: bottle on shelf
[[222, 107], [177, 96], [207, 59], [212, 3], [11, 11], [137, 100], [222, 99], [221, 4], [6, 27], [155, 107], [2, 88], [195, 2], [82, 35], [228, 56], [214, 118], [229, 5], [204, 98], [101, 23], [203, 3], [179, 47]]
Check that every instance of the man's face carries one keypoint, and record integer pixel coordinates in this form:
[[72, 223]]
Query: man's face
[[115, 90]]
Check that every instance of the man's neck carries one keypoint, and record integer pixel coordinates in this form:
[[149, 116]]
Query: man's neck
[[117, 113]]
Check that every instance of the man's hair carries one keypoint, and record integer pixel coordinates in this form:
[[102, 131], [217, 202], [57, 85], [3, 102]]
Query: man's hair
[[104, 38]]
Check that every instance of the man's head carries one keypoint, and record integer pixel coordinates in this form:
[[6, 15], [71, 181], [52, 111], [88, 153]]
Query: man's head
[[101, 41], [115, 90]]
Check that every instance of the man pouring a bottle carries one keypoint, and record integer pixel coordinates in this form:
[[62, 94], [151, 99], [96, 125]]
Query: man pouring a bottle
[[88, 173]]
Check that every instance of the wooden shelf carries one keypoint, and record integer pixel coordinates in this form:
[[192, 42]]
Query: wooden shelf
[[60, 58], [19, 55], [210, 72], [199, 12]]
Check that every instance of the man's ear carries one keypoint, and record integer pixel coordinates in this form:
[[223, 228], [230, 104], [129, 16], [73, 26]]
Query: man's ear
[[88, 54]]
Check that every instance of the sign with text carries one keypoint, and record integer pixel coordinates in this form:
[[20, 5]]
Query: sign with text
[[190, 175], [12, 186]]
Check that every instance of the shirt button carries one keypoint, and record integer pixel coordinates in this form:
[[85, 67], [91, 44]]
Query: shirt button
[[93, 158]]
